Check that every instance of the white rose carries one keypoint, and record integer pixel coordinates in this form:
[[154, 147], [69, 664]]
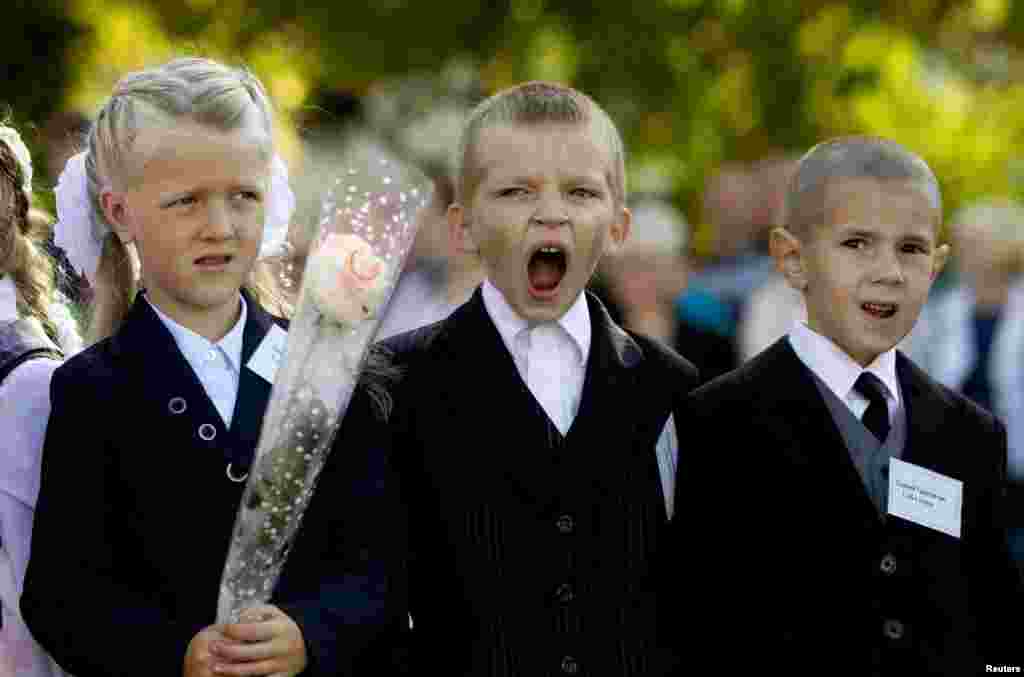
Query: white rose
[[348, 282]]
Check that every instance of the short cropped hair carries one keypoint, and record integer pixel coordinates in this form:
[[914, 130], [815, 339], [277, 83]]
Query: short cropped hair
[[852, 157], [536, 103]]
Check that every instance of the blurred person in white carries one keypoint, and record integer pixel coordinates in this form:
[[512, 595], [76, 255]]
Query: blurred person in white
[[649, 271], [741, 202], [643, 281], [59, 138], [436, 279], [972, 339], [420, 117], [36, 331], [767, 306], [973, 336], [768, 315]]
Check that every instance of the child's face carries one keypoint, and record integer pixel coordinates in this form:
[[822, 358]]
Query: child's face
[[866, 270], [542, 214], [195, 213]]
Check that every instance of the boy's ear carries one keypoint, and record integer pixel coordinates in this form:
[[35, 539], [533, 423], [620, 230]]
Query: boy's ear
[[459, 232], [115, 209], [942, 253], [787, 250], [619, 231]]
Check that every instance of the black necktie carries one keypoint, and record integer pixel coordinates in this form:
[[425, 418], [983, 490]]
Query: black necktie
[[876, 418]]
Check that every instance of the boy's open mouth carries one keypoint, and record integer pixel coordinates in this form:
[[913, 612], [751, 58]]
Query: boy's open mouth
[[880, 310], [545, 269], [214, 260]]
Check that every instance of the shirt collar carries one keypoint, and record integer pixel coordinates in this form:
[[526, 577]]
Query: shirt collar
[[837, 369], [8, 299], [194, 347], [575, 322]]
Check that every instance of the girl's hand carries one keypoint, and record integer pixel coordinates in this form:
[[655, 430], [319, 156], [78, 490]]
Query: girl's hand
[[199, 658], [266, 642]]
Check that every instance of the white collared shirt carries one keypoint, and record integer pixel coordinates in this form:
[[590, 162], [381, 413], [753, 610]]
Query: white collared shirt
[[551, 356], [839, 372], [216, 365]]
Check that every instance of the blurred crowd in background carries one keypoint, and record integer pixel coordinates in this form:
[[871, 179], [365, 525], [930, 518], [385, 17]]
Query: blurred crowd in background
[[716, 99]]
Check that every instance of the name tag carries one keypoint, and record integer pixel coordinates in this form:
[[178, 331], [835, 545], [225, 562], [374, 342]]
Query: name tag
[[667, 449], [925, 497], [268, 356]]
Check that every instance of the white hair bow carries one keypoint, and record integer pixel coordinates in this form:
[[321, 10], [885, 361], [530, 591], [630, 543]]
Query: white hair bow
[[81, 235]]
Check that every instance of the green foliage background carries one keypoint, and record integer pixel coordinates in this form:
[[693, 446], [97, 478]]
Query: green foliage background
[[693, 83]]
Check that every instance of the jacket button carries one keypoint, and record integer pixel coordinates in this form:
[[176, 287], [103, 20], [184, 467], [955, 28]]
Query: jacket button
[[565, 594], [237, 479], [177, 405], [566, 524], [893, 629], [570, 666], [888, 564], [207, 432]]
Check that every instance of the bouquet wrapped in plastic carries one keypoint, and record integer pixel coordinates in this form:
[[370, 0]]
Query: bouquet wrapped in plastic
[[368, 223]]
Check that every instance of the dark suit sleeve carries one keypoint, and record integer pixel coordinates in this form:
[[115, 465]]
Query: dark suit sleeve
[[1002, 594], [427, 643], [78, 599], [342, 583], [722, 543]]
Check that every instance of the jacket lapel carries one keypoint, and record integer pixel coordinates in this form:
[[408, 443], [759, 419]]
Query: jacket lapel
[[808, 435], [926, 408], [612, 405], [931, 443], [175, 394], [613, 355], [253, 392], [171, 393], [485, 399]]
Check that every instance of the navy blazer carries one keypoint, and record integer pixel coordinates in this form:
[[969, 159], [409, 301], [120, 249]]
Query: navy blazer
[[136, 511], [797, 565]]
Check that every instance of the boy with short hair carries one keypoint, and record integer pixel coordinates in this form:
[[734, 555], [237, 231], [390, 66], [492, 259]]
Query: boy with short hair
[[534, 436], [862, 500]]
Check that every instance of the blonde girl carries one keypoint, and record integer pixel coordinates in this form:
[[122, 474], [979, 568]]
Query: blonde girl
[[155, 424]]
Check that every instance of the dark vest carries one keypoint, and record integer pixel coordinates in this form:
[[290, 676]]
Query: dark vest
[[869, 457], [561, 578], [23, 340], [600, 572]]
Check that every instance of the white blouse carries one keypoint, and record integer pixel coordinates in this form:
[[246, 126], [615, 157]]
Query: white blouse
[[24, 411]]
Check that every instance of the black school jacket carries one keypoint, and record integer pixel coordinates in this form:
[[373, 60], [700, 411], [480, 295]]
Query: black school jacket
[[136, 510], [801, 574]]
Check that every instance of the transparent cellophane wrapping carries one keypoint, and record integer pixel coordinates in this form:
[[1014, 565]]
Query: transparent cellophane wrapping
[[317, 376]]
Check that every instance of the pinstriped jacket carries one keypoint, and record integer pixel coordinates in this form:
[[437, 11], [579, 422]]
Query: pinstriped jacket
[[532, 553]]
